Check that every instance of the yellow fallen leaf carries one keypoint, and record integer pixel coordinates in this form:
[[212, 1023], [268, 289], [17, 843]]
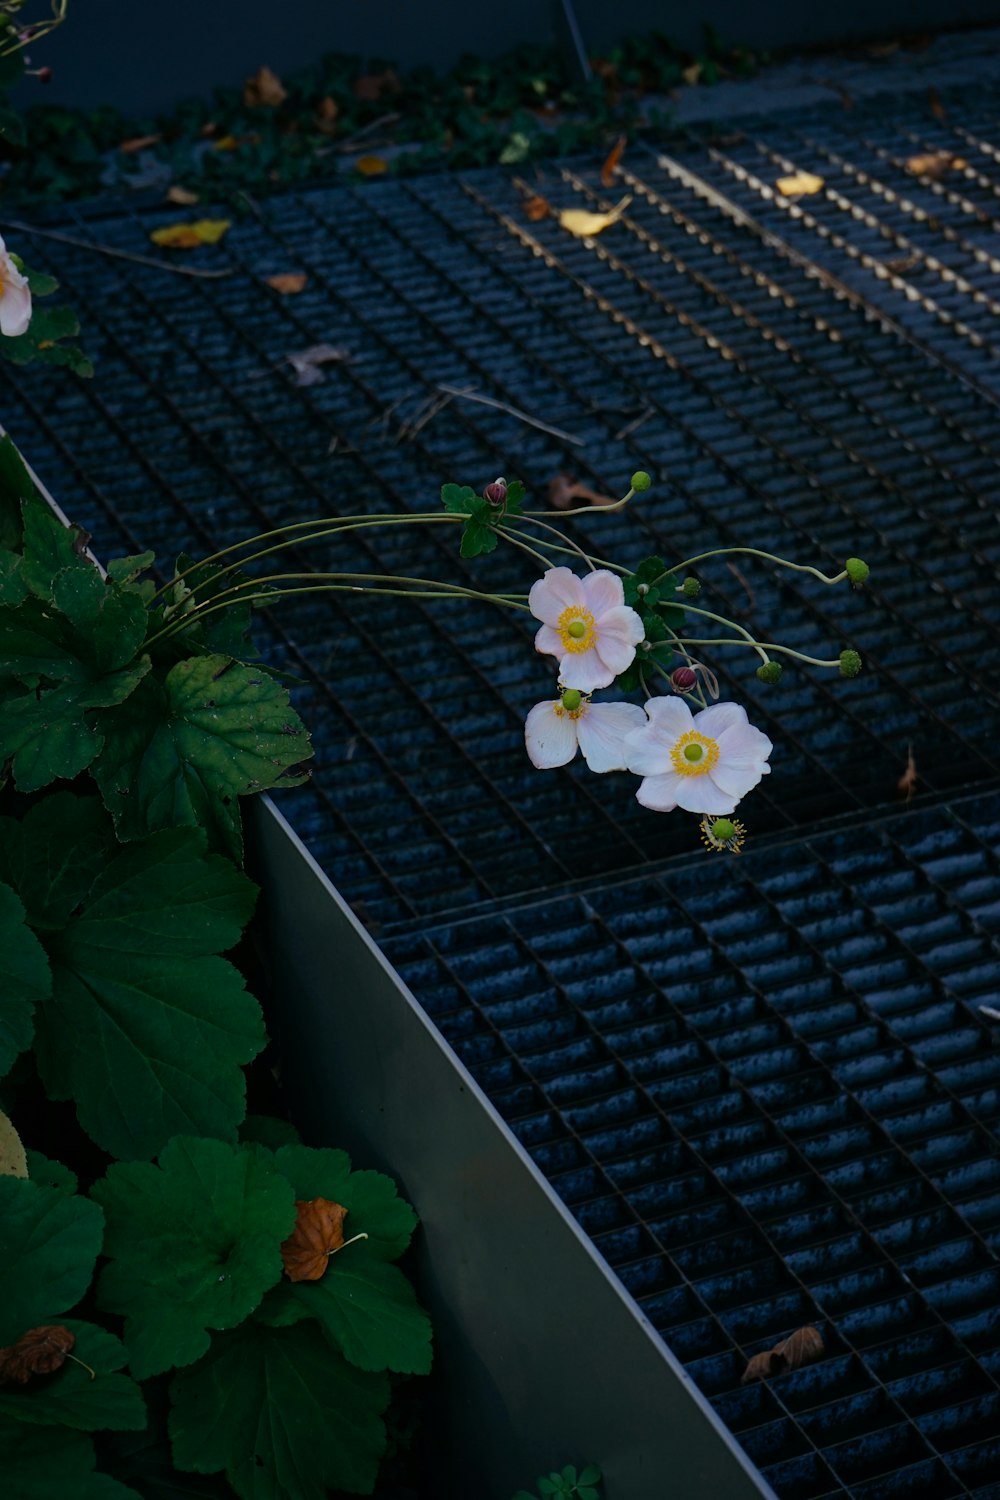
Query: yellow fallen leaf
[[582, 223], [188, 236], [181, 195], [371, 166], [692, 74], [13, 1162], [226, 143], [799, 185], [935, 164], [287, 282]]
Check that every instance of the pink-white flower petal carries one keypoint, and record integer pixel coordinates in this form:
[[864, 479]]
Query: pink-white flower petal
[[602, 591], [646, 752], [549, 737], [601, 730], [618, 633], [557, 590], [671, 718], [744, 745], [735, 781], [700, 794], [548, 641], [718, 717], [15, 299], [659, 793], [584, 670]]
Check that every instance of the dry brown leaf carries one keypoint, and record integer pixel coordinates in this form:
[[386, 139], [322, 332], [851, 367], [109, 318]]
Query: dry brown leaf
[[188, 236], [692, 75], [907, 783], [288, 282], [139, 142], [537, 207], [374, 86], [934, 100], [325, 118], [371, 166], [582, 223], [935, 164], [264, 89], [13, 1162], [763, 1366], [318, 1232], [614, 156], [902, 265], [565, 492], [799, 184], [800, 1348], [181, 195], [37, 1352]]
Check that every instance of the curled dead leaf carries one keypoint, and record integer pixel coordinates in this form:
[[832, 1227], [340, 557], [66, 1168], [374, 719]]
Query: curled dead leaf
[[907, 783], [371, 166], [264, 89], [139, 143], [288, 282], [40, 1351], [188, 236], [935, 164], [799, 185], [582, 223], [800, 1348], [611, 161], [565, 492], [763, 1366], [318, 1232], [181, 195], [13, 1162], [537, 207]]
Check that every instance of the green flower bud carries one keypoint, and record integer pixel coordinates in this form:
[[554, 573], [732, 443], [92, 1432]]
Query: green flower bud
[[571, 700], [640, 481], [769, 671], [856, 570], [723, 828], [690, 588], [850, 663]]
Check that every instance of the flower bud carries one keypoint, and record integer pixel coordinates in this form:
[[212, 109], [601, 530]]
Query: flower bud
[[769, 671], [691, 588], [850, 663], [496, 493], [683, 679], [44, 75], [856, 570], [640, 481]]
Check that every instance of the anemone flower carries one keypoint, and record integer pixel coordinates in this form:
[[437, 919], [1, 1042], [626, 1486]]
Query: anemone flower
[[587, 625], [703, 762]]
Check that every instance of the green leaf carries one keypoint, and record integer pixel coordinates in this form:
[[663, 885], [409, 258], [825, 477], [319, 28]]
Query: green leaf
[[586, 1492], [569, 1475], [12, 585], [41, 284], [48, 734], [127, 569], [48, 1173], [460, 498], [39, 1463], [43, 343], [371, 1199], [25, 980], [478, 537], [589, 1474], [147, 1029], [282, 1413], [550, 1486], [52, 549], [48, 1246], [16, 485], [223, 631], [194, 1244], [367, 1309], [266, 1130], [183, 752], [514, 503], [72, 1397], [523, 1495], [54, 855], [12, 127]]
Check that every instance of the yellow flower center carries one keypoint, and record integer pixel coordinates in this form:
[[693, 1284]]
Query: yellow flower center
[[693, 754], [576, 629]]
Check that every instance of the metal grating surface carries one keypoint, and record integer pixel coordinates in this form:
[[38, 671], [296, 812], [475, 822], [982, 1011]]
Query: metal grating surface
[[765, 1088], [770, 1098]]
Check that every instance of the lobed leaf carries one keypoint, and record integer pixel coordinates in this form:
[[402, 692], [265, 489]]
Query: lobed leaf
[[49, 1244], [72, 1397], [25, 978], [38, 1463]]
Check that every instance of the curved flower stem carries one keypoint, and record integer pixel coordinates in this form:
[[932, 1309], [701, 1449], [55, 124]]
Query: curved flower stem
[[706, 614], [516, 540], [572, 550], [584, 510], [762, 647], [252, 591], [753, 552]]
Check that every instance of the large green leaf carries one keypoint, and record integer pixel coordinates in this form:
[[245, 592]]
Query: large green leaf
[[25, 979], [194, 1244], [49, 734], [48, 1246], [54, 855], [72, 1397], [43, 1463], [147, 1029], [16, 485], [282, 1413], [372, 1200], [13, 588], [183, 751]]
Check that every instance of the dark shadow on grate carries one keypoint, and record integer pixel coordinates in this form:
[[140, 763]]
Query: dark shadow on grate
[[772, 1100]]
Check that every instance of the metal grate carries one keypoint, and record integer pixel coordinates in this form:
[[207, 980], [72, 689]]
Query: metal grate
[[765, 1087], [771, 1099]]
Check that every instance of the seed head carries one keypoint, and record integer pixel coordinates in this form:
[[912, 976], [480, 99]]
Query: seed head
[[850, 663], [856, 570], [769, 671], [640, 481]]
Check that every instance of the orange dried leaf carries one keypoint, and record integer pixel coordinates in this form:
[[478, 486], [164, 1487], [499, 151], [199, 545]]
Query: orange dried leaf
[[288, 282], [565, 491], [188, 236], [265, 88], [763, 1366], [181, 195], [139, 142], [537, 207], [800, 1348], [612, 159], [40, 1351], [907, 783], [934, 100], [935, 164], [799, 185], [371, 166], [319, 1230]]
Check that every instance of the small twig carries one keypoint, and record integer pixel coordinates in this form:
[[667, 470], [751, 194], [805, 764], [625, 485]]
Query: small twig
[[366, 130], [635, 424], [426, 412], [740, 578], [513, 411], [988, 1010], [142, 260]]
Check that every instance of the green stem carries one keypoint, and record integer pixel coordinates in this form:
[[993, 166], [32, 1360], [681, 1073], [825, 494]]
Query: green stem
[[706, 614], [584, 510], [762, 647], [753, 552]]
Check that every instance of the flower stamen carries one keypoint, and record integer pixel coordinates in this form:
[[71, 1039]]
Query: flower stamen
[[576, 629], [694, 754], [723, 833]]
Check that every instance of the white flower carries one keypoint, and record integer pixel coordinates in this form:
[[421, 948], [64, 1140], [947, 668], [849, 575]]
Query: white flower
[[587, 624], [15, 297], [554, 731], [702, 762]]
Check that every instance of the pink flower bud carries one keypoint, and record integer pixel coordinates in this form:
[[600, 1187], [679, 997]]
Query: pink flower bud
[[683, 680], [44, 75], [496, 493]]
